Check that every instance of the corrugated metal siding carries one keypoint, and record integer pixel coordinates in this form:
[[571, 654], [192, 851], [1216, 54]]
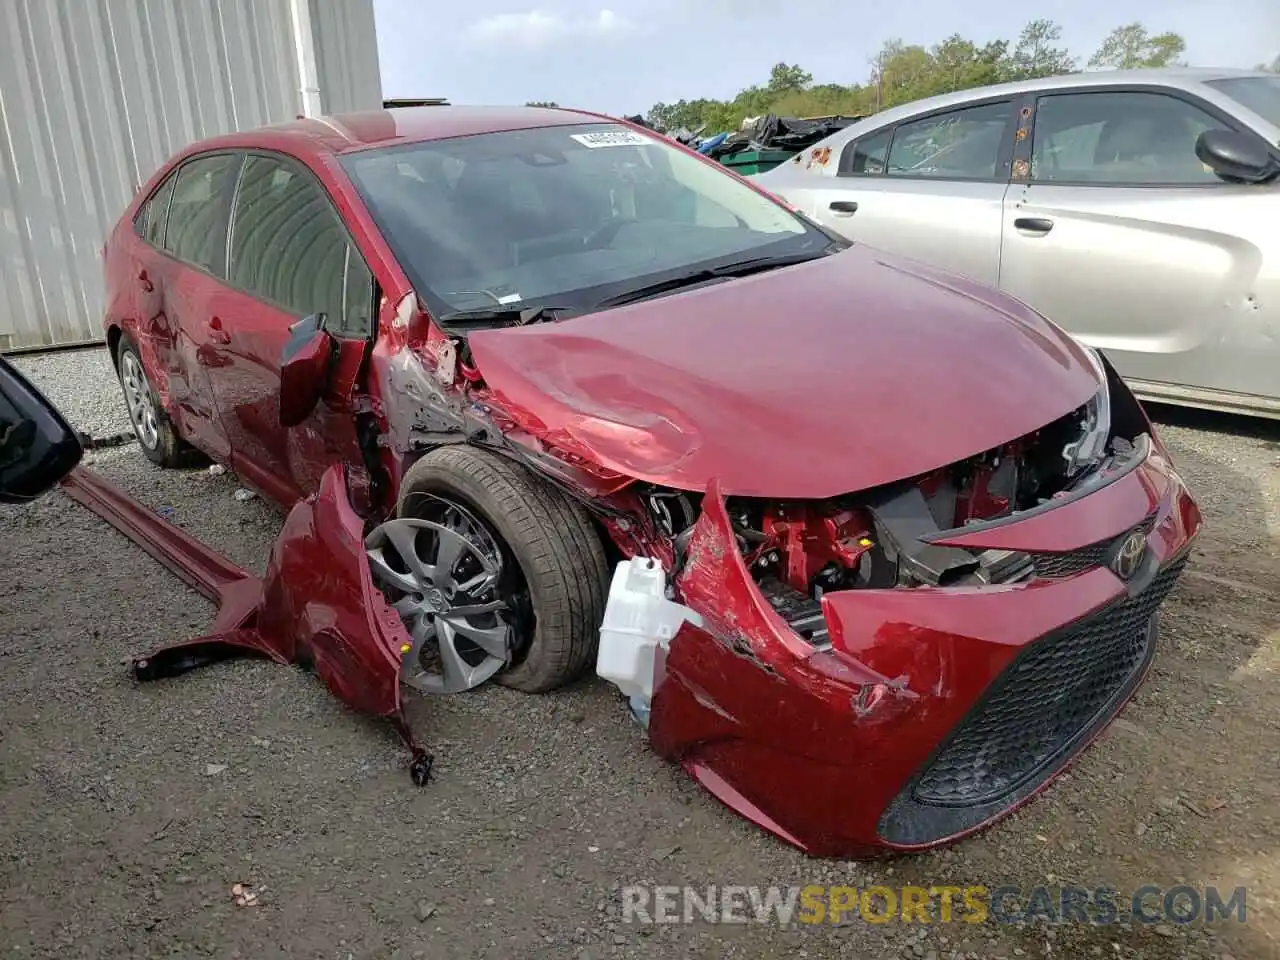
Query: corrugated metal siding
[[96, 94], [346, 55]]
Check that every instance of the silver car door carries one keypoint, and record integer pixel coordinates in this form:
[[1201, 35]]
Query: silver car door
[[930, 187], [1117, 232]]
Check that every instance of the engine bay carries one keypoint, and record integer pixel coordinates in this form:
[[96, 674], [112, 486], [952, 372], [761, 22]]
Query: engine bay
[[878, 539]]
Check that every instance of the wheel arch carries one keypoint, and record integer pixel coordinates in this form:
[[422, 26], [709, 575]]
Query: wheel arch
[[114, 332]]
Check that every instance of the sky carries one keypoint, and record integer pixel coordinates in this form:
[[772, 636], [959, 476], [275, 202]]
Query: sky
[[622, 56]]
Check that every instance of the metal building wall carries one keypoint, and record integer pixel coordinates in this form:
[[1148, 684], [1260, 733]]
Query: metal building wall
[[96, 94]]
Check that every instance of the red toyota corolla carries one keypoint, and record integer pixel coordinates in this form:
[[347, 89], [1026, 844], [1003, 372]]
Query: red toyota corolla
[[888, 545]]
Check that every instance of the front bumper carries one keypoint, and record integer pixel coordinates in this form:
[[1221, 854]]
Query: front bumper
[[936, 710]]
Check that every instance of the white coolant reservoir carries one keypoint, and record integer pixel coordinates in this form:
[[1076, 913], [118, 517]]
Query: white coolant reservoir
[[638, 618]]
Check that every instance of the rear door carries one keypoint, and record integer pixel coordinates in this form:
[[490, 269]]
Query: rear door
[[1116, 231], [290, 256], [188, 278], [133, 266], [929, 187]]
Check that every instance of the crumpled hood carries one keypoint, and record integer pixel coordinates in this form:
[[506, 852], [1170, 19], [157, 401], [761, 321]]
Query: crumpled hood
[[805, 382]]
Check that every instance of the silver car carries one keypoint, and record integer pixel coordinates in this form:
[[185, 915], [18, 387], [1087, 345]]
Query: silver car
[[1139, 210]]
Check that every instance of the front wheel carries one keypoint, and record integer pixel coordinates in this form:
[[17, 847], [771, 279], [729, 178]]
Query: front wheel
[[494, 572]]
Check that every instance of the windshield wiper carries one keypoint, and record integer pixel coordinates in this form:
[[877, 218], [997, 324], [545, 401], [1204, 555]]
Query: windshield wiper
[[514, 315], [739, 268]]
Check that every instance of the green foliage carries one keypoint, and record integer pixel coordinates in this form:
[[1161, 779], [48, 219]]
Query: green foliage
[[1035, 56], [1130, 48], [901, 73]]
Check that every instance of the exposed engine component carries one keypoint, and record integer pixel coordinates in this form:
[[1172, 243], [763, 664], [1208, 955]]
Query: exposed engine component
[[797, 550]]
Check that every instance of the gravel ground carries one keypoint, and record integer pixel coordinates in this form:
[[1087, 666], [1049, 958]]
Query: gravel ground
[[127, 813]]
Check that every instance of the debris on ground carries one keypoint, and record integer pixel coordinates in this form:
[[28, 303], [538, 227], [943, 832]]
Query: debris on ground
[[766, 134], [217, 470], [244, 895], [243, 495]]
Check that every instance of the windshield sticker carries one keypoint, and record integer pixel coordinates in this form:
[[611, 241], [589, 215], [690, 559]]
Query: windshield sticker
[[611, 138]]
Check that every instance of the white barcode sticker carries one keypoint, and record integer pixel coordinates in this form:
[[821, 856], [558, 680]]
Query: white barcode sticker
[[612, 138]]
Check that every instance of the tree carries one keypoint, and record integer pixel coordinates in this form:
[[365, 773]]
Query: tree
[[1035, 54], [903, 72], [541, 103], [788, 78], [959, 64], [1130, 47], [1272, 67]]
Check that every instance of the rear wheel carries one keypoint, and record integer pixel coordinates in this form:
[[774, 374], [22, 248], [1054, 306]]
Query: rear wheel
[[155, 431], [494, 572]]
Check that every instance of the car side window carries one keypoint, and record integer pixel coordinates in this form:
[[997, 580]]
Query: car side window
[[193, 232], [289, 247], [866, 155], [151, 218], [1120, 137], [959, 145]]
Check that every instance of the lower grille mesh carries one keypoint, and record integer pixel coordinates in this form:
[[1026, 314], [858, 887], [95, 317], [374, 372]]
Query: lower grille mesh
[[1044, 700]]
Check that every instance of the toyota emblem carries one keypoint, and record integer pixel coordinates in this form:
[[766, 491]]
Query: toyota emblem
[[1129, 556]]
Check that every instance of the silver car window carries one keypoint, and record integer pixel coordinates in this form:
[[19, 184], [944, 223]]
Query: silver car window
[[960, 145], [866, 155], [1121, 137], [1259, 94]]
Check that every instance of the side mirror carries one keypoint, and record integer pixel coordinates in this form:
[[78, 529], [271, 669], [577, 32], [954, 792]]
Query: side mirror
[[1237, 156], [37, 447], [304, 369]]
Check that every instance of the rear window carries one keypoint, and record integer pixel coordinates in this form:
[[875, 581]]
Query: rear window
[[151, 218], [1259, 94]]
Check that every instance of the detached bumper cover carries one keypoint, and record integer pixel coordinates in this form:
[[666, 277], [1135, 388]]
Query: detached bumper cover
[[936, 710]]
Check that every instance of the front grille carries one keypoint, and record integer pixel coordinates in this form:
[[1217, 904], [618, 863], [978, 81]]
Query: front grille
[[1055, 566], [1044, 701]]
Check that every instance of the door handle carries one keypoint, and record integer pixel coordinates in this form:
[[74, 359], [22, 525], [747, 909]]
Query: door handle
[[843, 208], [216, 333], [1034, 224], [145, 282]]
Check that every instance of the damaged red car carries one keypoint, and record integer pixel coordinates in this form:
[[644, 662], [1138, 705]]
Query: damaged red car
[[873, 550]]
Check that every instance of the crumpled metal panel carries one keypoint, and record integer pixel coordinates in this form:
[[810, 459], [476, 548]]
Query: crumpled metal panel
[[316, 606]]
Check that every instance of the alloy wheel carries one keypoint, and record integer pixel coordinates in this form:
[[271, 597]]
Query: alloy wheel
[[141, 403], [442, 573]]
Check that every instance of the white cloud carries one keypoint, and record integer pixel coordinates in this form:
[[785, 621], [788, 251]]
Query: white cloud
[[538, 28]]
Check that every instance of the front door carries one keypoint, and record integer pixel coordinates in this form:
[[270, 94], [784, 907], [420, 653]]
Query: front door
[[1121, 235], [931, 188], [290, 257]]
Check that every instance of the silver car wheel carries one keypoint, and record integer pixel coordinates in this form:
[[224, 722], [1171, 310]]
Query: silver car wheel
[[442, 576], [141, 403]]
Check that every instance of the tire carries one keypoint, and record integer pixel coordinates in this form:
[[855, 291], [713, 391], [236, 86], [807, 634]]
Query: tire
[[552, 541], [157, 437]]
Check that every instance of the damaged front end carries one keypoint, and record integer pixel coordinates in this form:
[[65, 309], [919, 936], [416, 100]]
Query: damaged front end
[[893, 669]]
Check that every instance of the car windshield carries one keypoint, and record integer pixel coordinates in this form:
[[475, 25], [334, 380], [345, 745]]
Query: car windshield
[[1259, 94], [566, 216]]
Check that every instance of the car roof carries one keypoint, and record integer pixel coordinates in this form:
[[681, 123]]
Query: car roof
[[348, 132], [1190, 79], [1184, 78]]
